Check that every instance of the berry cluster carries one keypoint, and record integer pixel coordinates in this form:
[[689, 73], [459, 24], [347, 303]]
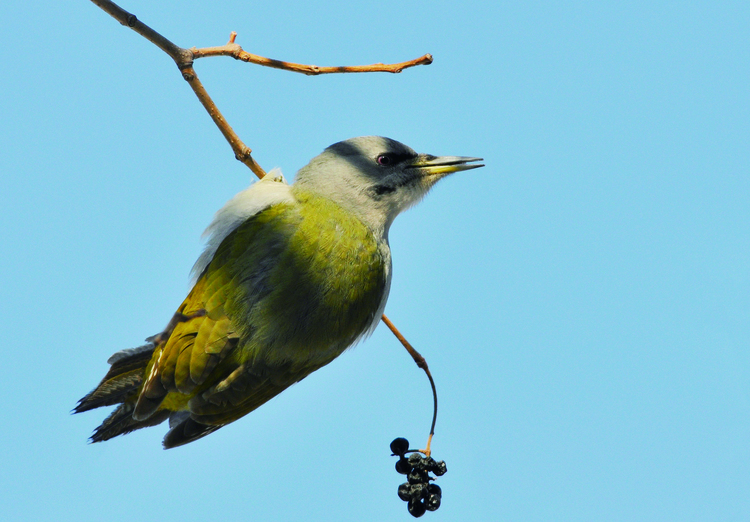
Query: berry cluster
[[417, 491]]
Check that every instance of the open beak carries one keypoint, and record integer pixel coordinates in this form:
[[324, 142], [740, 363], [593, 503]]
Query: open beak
[[432, 165]]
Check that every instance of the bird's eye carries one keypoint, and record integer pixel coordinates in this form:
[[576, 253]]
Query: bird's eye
[[385, 160]]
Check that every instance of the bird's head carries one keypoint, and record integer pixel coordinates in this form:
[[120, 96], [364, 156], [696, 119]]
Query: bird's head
[[376, 177]]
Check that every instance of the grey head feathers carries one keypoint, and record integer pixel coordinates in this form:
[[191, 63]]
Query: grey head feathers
[[374, 177]]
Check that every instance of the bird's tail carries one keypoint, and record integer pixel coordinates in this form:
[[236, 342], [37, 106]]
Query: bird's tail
[[120, 386]]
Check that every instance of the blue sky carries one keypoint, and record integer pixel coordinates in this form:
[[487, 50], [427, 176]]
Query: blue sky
[[582, 300]]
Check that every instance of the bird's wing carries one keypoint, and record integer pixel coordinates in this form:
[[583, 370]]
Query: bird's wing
[[213, 378], [242, 391], [200, 341], [193, 353]]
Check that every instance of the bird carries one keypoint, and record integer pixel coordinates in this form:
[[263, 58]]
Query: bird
[[291, 276]]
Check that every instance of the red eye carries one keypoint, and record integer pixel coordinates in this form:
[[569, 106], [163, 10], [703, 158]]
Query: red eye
[[384, 160]]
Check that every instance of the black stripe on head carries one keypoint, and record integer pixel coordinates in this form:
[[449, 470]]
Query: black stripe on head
[[381, 190]]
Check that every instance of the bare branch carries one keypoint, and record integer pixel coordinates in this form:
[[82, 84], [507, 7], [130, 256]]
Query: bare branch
[[235, 51], [182, 57], [241, 151]]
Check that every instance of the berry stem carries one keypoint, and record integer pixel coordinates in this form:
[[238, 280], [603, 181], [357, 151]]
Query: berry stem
[[427, 451], [422, 363]]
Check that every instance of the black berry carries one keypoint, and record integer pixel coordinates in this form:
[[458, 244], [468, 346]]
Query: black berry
[[418, 477], [416, 508], [432, 502], [403, 466], [399, 446], [416, 460], [434, 489], [440, 468], [404, 492], [418, 491]]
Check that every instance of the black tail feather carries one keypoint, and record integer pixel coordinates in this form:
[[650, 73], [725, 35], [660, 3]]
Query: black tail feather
[[186, 430], [121, 386], [121, 422], [122, 380]]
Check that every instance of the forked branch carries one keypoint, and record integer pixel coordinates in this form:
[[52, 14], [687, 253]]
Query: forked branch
[[184, 59]]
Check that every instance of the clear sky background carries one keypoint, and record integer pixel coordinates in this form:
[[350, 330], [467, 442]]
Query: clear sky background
[[583, 300]]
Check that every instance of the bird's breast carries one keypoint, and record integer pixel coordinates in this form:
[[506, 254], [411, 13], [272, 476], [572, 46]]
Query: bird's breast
[[323, 287]]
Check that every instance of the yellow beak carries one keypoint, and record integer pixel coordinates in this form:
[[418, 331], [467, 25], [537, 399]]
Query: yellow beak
[[434, 165]]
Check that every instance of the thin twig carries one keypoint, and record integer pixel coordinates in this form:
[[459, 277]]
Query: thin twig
[[422, 363], [184, 60], [182, 57], [235, 51], [241, 151]]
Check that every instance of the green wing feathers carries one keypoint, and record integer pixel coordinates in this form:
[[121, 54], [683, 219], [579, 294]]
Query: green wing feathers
[[269, 309]]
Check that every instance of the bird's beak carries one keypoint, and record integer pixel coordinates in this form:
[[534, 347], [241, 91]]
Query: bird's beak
[[441, 165]]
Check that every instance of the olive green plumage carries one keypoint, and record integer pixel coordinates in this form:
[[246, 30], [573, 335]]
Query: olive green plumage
[[292, 276]]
